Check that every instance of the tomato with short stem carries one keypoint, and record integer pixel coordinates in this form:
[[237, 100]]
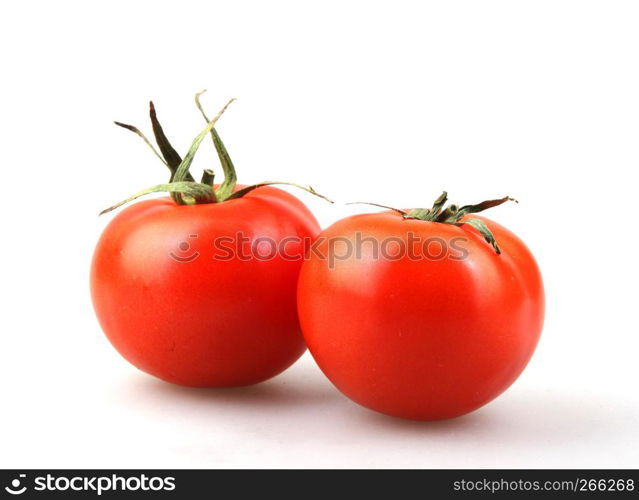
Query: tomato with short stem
[[418, 335]]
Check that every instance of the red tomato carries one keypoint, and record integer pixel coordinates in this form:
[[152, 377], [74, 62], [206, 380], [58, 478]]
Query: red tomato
[[176, 312], [427, 338]]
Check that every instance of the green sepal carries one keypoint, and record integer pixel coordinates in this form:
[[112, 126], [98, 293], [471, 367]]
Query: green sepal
[[438, 205], [230, 175], [241, 192], [484, 205], [480, 226], [138, 132], [197, 192], [403, 213], [418, 213], [171, 156]]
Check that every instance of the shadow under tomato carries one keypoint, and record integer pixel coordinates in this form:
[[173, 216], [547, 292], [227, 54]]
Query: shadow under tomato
[[525, 416], [277, 392], [470, 420], [302, 402]]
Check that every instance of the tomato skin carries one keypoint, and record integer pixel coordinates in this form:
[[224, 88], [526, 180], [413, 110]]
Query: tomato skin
[[421, 339], [202, 322]]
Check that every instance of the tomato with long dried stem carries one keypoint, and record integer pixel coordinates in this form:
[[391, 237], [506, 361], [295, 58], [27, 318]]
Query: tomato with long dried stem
[[178, 295]]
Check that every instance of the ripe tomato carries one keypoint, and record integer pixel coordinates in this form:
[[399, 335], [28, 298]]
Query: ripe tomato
[[173, 308], [426, 338], [199, 289]]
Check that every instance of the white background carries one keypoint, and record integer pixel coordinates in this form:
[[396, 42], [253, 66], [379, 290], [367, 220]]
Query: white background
[[388, 102]]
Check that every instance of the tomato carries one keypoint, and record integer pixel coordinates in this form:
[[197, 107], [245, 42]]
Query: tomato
[[199, 289], [421, 338], [179, 309]]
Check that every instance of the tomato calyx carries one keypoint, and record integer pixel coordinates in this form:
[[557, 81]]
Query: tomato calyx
[[183, 188], [453, 214]]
